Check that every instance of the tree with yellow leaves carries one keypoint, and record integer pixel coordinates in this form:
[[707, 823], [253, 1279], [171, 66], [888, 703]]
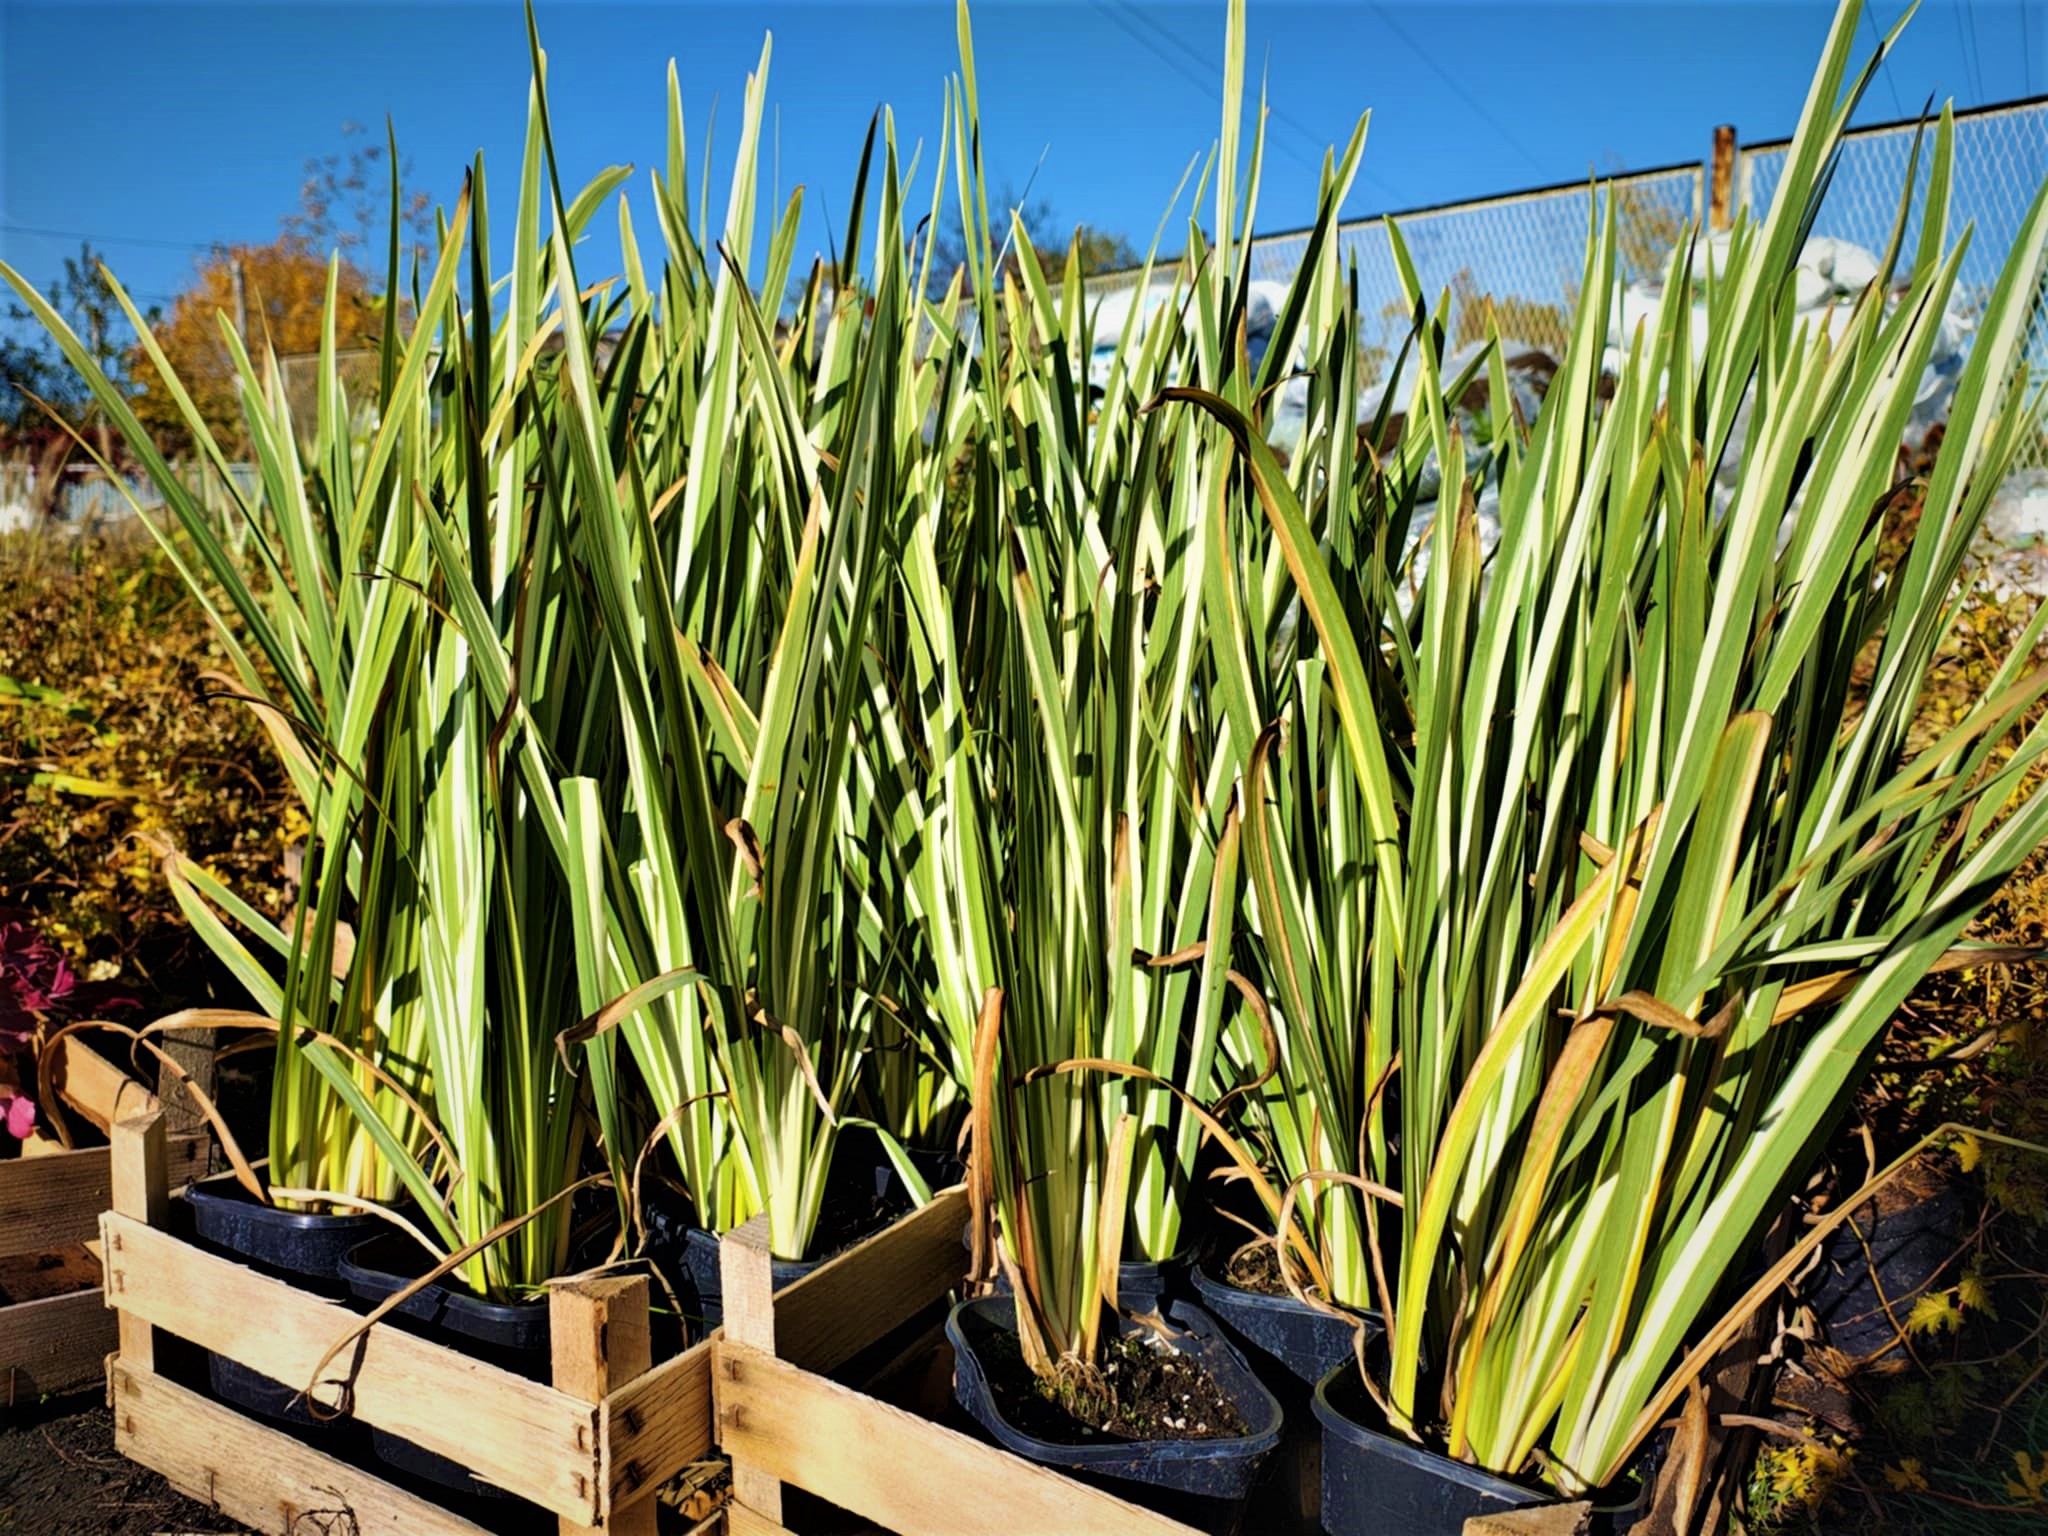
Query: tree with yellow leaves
[[282, 291]]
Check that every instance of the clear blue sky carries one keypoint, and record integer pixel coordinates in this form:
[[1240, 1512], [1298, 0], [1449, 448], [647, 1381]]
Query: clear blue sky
[[157, 129]]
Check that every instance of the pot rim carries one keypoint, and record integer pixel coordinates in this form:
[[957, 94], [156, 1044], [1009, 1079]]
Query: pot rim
[[1249, 1392]]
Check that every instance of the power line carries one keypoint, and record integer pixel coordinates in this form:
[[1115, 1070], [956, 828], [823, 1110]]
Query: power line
[[1457, 87], [2026, 49], [1209, 84], [79, 234], [1977, 52], [1877, 37], [1206, 84], [1970, 72], [1316, 142]]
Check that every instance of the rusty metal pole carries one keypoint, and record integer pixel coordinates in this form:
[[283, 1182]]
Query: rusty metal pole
[[1722, 180]]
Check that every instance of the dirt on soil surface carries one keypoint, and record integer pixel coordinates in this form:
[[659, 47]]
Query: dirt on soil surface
[[61, 1476], [1142, 1391], [1256, 1267]]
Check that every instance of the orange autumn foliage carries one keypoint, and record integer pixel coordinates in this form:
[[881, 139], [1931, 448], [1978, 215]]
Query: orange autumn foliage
[[285, 288]]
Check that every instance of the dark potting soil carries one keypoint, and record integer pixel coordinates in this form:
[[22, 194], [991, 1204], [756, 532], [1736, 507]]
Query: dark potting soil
[[1256, 1268], [1144, 1391]]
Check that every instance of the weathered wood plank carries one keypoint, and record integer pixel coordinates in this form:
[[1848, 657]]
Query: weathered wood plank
[[744, 1522], [932, 1481], [746, 1273], [53, 1272], [840, 1308], [598, 1338], [141, 1193], [1537, 1520], [267, 1480], [94, 1086], [54, 1345], [55, 1201], [655, 1426], [522, 1436]]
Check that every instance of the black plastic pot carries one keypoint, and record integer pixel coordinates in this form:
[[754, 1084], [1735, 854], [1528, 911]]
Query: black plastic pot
[[304, 1247], [1879, 1254], [1219, 1470], [510, 1334], [1141, 1284], [1378, 1484], [1308, 1343], [938, 1167], [700, 1268]]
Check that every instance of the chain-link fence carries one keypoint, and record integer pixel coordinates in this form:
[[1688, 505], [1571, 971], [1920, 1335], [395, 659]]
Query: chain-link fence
[[1524, 252], [2001, 159]]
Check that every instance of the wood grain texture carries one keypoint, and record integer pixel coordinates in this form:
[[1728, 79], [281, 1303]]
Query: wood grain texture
[[744, 1522], [89, 1083], [55, 1200], [141, 1193], [903, 1472], [598, 1336], [54, 1345], [841, 1307], [746, 1277], [654, 1426], [266, 1480], [522, 1436], [1537, 1520]]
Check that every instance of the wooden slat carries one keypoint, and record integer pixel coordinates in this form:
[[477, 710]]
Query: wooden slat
[[744, 1522], [905, 1473], [53, 1272], [598, 1336], [654, 1427], [51, 1202], [1537, 1520], [525, 1437], [267, 1480], [57, 1344], [141, 1192], [94, 1086], [840, 1308], [746, 1274], [55, 1201]]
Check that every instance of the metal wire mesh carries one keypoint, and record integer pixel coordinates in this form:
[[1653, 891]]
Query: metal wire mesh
[[2001, 158], [1523, 252]]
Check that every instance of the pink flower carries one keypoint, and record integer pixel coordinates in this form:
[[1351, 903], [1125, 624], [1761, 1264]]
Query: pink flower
[[20, 1114]]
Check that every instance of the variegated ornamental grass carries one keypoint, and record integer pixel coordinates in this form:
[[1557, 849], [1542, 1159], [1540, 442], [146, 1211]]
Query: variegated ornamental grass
[[1658, 882], [788, 716]]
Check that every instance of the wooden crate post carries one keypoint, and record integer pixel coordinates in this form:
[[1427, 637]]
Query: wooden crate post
[[598, 1333], [141, 1192], [747, 1279], [193, 1051]]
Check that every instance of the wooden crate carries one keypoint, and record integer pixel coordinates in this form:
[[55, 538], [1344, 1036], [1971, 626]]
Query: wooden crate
[[56, 1335], [781, 1421], [590, 1448]]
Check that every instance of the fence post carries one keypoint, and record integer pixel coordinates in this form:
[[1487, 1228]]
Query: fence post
[[1721, 181]]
